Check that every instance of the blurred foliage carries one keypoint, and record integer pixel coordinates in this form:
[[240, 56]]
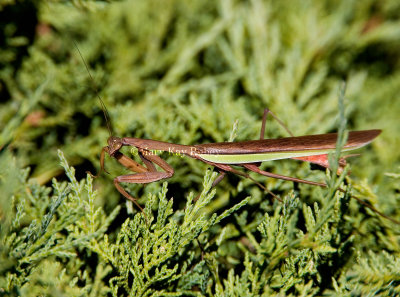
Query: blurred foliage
[[184, 72]]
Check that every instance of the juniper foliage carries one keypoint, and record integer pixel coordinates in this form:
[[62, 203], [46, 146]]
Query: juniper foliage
[[185, 72]]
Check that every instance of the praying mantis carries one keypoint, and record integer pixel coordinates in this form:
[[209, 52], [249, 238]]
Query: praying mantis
[[224, 155], [246, 154]]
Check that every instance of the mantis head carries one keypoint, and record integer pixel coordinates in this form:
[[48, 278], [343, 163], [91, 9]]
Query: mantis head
[[114, 144]]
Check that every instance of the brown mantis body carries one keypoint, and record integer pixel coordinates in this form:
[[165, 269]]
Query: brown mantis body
[[309, 147], [224, 155], [305, 148]]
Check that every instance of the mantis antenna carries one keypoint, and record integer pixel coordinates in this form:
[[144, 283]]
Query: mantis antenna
[[103, 106]]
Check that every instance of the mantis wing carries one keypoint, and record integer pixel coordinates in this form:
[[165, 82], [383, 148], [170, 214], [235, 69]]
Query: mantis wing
[[281, 148]]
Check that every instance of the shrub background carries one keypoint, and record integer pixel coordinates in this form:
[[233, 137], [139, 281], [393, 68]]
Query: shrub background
[[184, 72]]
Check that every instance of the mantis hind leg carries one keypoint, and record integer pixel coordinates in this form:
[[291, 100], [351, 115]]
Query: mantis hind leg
[[255, 169], [219, 178], [263, 124], [264, 120], [224, 168]]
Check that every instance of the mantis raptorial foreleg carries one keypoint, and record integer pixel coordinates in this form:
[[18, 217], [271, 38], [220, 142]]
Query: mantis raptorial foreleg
[[143, 174]]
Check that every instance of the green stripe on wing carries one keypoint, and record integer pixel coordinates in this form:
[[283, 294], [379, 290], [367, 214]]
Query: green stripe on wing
[[262, 157]]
